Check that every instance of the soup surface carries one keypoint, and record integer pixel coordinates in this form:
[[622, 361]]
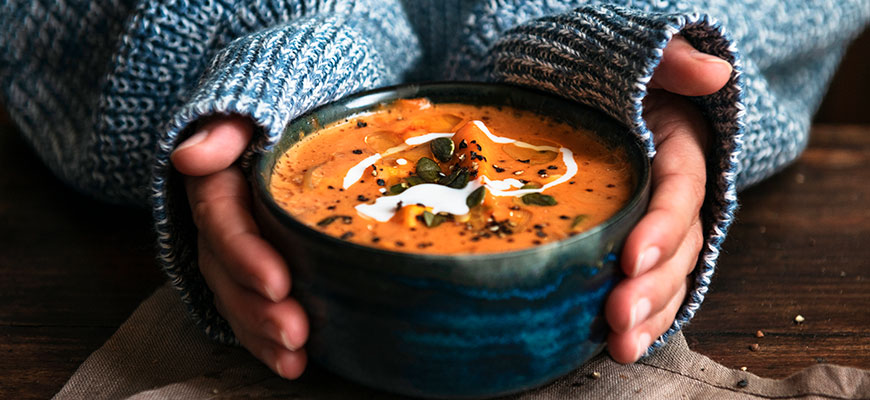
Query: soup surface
[[420, 177]]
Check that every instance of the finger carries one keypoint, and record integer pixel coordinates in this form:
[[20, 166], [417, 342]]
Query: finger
[[628, 347], [214, 147], [679, 178], [634, 300], [221, 212], [287, 364], [250, 314], [687, 71]]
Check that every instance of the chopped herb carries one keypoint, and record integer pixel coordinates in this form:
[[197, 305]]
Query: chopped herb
[[428, 169], [326, 221], [476, 197], [538, 199], [442, 148], [357, 151], [381, 182], [397, 188]]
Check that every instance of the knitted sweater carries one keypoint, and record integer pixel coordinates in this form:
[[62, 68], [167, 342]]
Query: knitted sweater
[[105, 89]]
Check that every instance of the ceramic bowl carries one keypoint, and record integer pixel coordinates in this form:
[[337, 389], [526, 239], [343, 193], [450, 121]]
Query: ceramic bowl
[[453, 326]]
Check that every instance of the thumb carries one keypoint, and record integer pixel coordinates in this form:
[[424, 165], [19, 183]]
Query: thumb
[[214, 147], [689, 72]]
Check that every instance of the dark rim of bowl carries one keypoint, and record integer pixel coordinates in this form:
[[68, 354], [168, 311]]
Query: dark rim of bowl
[[384, 95]]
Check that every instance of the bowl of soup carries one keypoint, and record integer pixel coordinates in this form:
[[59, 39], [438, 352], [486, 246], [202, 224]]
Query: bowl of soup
[[452, 240]]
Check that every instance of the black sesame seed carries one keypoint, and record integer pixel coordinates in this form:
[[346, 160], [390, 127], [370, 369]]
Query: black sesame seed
[[346, 235], [361, 124], [564, 217], [330, 208], [540, 234], [542, 172], [376, 239], [552, 167], [357, 151], [610, 185], [381, 182], [525, 161], [536, 242], [538, 226], [462, 144], [362, 198], [571, 183], [497, 169], [330, 187], [400, 243], [742, 383], [479, 148], [589, 190]]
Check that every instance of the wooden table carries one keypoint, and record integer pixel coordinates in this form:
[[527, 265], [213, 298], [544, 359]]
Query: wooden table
[[72, 270]]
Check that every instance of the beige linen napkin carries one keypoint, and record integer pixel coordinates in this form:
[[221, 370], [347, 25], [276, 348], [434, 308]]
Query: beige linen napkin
[[159, 354]]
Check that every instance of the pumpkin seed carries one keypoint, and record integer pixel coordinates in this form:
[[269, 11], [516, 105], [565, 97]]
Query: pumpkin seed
[[432, 220], [537, 199], [457, 179], [326, 221], [428, 169], [414, 180], [398, 188], [476, 197], [578, 220], [442, 148], [531, 185]]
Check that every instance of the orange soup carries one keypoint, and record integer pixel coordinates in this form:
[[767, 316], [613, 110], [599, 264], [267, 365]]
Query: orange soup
[[451, 178]]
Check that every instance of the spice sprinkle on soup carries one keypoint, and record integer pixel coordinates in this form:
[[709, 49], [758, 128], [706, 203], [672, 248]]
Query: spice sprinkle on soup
[[419, 177]]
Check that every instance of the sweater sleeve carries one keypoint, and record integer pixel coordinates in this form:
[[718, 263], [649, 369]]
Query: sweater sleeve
[[271, 76], [604, 55]]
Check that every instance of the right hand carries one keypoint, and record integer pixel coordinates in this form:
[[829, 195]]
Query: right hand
[[249, 278]]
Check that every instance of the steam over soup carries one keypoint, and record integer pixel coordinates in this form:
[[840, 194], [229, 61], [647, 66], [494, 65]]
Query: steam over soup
[[451, 178]]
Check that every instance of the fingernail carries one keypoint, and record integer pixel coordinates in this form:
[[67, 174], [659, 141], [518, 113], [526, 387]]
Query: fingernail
[[640, 312], [276, 332], [279, 369], [269, 293], [646, 260], [194, 139], [701, 56], [643, 342]]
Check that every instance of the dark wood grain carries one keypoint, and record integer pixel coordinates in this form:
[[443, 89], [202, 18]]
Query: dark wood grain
[[71, 271], [801, 246]]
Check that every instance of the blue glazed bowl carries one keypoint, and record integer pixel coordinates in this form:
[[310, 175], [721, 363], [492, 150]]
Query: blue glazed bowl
[[453, 326]]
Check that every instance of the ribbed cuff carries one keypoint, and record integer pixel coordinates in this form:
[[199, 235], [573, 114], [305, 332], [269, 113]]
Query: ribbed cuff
[[604, 57], [271, 76]]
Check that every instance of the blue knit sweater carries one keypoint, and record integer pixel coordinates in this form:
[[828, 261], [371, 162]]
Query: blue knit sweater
[[104, 89]]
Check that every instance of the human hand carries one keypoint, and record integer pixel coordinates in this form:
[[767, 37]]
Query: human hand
[[248, 277], [664, 246]]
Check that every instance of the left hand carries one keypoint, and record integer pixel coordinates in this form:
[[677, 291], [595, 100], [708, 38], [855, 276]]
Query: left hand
[[664, 246]]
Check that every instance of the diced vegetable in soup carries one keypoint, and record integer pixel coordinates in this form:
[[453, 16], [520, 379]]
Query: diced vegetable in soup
[[451, 178]]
